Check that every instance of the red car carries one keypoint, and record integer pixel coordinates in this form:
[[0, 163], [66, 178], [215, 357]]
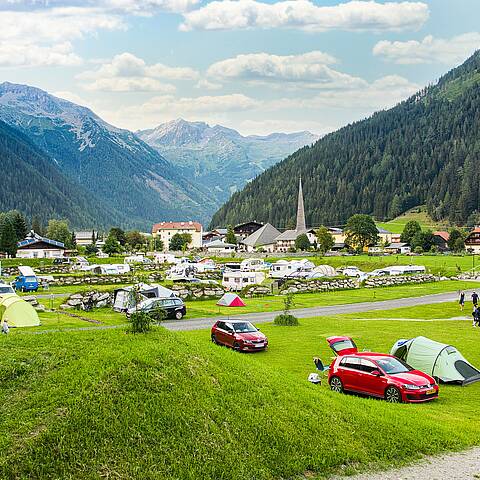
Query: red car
[[377, 375], [240, 335]]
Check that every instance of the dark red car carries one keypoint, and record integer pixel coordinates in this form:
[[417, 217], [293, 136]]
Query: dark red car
[[377, 375], [240, 335]]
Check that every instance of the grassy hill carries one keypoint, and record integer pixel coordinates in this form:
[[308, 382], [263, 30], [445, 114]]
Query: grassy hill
[[168, 405], [419, 214]]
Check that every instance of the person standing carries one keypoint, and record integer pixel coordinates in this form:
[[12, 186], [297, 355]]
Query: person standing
[[476, 316], [461, 300], [5, 328], [475, 298]]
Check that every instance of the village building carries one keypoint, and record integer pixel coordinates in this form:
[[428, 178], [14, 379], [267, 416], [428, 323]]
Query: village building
[[286, 240], [472, 243], [83, 239], [262, 239], [35, 246], [219, 246], [164, 231], [215, 234], [440, 240], [398, 248], [243, 230], [385, 237]]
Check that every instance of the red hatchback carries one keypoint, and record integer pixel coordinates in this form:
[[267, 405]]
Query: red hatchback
[[377, 375], [240, 335]]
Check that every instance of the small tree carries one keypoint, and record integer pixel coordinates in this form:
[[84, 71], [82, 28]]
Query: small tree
[[412, 227], [286, 318], [37, 226], [325, 240], [19, 223], [58, 230], [8, 236], [91, 249], [459, 245], [112, 246], [302, 243], [230, 237], [361, 231], [180, 241], [135, 240], [453, 240], [118, 234]]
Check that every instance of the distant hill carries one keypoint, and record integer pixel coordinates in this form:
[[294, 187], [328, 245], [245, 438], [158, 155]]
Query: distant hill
[[31, 182], [112, 164], [218, 157], [418, 214], [425, 150]]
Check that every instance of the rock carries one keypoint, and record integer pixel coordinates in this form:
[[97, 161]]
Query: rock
[[74, 302], [101, 304], [40, 308], [65, 306], [76, 296]]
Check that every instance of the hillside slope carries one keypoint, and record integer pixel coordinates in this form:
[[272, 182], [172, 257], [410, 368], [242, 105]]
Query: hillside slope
[[218, 157], [426, 150], [111, 163], [31, 182]]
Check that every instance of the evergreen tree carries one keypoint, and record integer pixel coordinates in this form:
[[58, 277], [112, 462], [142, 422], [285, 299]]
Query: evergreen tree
[[8, 236], [453, 241], [37, 225], [19, 223], [230, 237], [119, 235]]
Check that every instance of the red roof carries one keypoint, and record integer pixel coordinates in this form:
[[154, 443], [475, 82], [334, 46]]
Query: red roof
[[476, 230], [444, 235], [177, 226]]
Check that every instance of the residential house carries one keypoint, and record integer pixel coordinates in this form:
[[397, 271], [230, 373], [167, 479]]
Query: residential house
[[35, 246], [398, 248], [164, 231], [216, 234], [440, 240], [86, 238], [219, 246], [472, 243], [262, 239], [385, 236], [243, 230]]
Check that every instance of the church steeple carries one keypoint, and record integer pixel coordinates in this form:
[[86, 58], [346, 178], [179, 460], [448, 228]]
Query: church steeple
[[301, 226]]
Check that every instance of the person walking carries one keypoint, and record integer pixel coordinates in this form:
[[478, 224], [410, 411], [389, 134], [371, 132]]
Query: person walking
[[475, 298], [461, 300], [5, 328], [476, 316]]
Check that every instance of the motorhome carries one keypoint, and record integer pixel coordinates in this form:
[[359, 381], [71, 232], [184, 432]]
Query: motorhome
[[252, 264], [181, 272], [137, 259], [293, 269], [237, 280], [111, 269], [405, 269]]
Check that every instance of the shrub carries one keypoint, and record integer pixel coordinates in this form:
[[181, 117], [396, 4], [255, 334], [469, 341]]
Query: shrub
[[140, 322], [286, 320], [157, 315]]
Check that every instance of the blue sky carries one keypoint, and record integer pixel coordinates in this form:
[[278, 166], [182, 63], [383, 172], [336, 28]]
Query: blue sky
[[256, 66]]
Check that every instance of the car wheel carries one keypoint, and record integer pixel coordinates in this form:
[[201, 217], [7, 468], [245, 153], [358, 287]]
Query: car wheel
[[393, 395], [236, 346], [178, 315], [336, 385], [214, 339]]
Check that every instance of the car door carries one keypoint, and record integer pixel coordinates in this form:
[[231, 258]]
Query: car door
[[229, 334], [351, 373], [372, 384]]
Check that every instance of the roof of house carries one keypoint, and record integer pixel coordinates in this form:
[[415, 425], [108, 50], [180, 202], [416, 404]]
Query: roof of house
[[252, 222], [289, 235], [87, 234], [397, 245], [219, 244], [263, 236], [34, 238], [335, 230], [444, 235], [177, 226]]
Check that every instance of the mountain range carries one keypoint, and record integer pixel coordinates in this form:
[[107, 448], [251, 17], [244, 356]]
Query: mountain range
[[425, 150], [220, 158], [114, 165]]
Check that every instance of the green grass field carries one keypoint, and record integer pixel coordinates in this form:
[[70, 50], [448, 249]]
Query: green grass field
[[106, 404], [419, 214]]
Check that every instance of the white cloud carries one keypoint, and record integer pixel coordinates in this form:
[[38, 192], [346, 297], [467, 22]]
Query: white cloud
[[267, 126], [204, 84], [429, 50], [303, 14], [72, 97], [307, 70], [18, 54], [127, 73]]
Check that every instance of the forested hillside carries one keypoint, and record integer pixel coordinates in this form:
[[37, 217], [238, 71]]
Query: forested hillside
[[426, 150], [31, 183]]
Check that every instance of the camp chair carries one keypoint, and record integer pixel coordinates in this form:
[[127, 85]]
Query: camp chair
[[319, 365]]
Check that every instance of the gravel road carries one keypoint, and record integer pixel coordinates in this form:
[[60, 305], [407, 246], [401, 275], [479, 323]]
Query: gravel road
[[453, 466]]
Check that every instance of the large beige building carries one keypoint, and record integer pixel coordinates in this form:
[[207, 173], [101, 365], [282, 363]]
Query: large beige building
[[164, 231]]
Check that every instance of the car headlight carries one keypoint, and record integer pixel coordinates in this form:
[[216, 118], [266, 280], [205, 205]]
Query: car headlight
[[247, 341], [412, 387]]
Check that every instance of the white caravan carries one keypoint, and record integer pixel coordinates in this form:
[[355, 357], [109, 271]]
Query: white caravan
[[293, 269], [239, 280], [252, 264]]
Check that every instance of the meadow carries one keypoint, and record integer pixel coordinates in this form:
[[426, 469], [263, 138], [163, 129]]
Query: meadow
[[105, 404]]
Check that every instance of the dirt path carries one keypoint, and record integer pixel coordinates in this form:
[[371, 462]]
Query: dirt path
[[453, 466]]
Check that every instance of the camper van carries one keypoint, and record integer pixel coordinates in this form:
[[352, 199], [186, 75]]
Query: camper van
[[239, 280], [293, 269], [252, 264], [111, 269], [27, 281], [137, 259], [405, 269], [165, 258]]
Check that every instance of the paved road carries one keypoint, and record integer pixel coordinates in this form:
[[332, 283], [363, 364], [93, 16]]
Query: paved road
[[263, 317]]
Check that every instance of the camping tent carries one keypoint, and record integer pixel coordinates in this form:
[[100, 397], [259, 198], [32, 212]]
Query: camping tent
[[17, 312], [231, 300], [439, 360], [122, 297]]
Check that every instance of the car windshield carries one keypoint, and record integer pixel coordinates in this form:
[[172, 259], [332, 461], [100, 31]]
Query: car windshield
[[392, 365], [244, 327], [30, 279], [6, 289]]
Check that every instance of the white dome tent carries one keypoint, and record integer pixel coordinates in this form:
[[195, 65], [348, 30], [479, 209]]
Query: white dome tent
[[439, 360]]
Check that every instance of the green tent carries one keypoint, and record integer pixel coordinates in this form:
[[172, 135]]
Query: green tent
[[439, 360], [17, 312]]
